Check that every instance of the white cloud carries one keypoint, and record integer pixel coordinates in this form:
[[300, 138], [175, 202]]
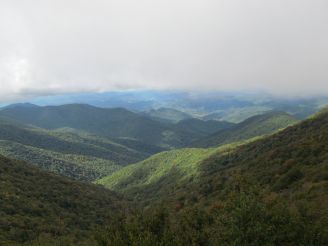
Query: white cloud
[[58, 46]]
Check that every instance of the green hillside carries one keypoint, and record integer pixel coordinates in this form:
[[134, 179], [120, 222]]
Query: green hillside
[[160, 174], [68, 152], [270, 191], [168, 115], [80, 167], [255, 126], [36, 205], [111, 123], [297, 152], [200, 128], [169, 164]]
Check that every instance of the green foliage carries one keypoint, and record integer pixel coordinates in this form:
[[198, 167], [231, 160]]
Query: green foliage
[[255, 126], [200, 128], [69, 152], [35, 203], [287, 179], [266, 191], [163, 174], [244, 217], [288, 207], [84, 168], [157, 174], [110, 123]]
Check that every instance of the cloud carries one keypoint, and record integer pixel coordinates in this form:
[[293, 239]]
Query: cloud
[[58, 46]]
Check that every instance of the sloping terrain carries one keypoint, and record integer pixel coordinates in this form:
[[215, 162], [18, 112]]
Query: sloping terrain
[[111, 123], [69, 152], [294, 159], [168, 115], [36, 204], [174, 165], [255, 126], [270, 191], [201, 128], [161, 174]]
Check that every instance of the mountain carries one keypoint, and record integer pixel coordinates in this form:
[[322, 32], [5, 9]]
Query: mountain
[[237, 114], [20, 105], [36, 205], [112, 123], [168, 115], [270, 190], [202, 128], [153, 178], [69, 152], [254, 126], [228, 106], [293, 159]]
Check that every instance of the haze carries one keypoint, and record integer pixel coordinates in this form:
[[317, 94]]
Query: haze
[[54, 47]]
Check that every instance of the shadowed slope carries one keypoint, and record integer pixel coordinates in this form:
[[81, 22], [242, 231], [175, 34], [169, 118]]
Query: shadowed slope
[[34, 203]]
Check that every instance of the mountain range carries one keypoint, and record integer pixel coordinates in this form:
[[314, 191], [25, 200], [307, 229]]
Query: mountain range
[[161, 181]]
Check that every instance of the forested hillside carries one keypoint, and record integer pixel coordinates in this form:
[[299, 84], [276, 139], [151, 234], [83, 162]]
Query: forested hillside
[[272, 191], [168, 115], [254, 126], [68, 152], [112, 123], [284, 160], [201, 128], [39, 206], [264, 189]]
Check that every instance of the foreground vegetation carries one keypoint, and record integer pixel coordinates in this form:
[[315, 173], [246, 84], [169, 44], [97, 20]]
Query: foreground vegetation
[[35, 204], [247, 216]]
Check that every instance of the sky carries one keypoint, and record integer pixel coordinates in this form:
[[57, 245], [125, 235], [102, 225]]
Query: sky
[[52, 47]]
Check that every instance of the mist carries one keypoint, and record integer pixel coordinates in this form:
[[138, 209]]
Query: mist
[[56, 47]]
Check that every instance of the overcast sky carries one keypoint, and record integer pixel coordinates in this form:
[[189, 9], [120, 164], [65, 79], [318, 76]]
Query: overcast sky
[[59, 46]]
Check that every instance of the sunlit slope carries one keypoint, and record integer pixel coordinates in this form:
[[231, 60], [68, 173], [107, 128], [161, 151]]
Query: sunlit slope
[[292, 162], [162, 173]]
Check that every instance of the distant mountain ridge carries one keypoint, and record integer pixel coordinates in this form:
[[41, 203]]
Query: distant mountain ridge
[[168, 115], [114, 123]]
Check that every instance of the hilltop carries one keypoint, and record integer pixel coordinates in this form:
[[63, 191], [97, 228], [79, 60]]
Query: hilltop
[[69, 152], [106, 122], [254, 126]]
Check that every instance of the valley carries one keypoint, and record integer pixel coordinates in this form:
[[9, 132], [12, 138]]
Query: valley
[[181, 167]]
